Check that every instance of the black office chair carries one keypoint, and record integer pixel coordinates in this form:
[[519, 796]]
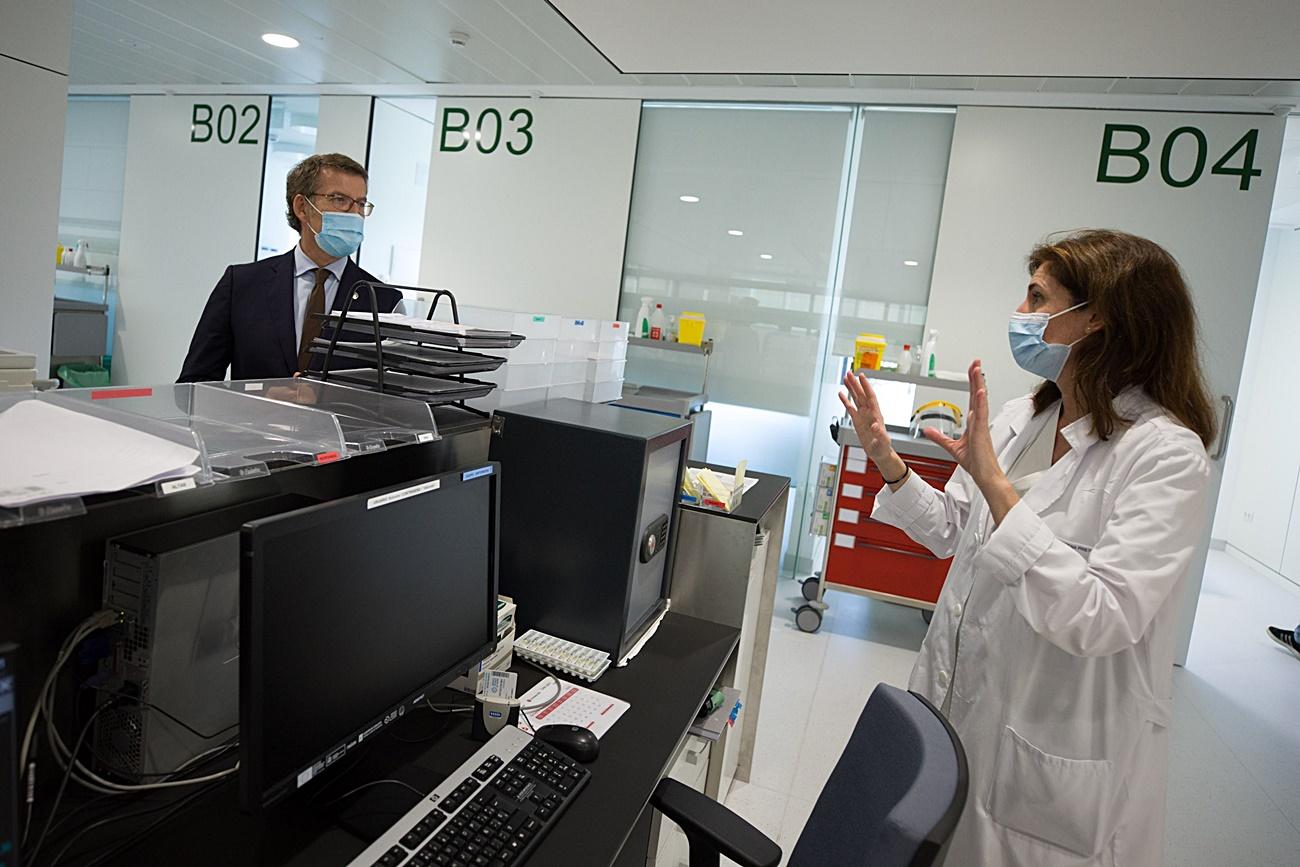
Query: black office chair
[[892, 800]]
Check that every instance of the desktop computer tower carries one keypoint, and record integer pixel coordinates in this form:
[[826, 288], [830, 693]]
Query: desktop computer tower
[[588, 496], [177, 585]]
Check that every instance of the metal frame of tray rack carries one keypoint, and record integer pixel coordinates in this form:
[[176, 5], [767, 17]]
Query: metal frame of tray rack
[[425, 365]]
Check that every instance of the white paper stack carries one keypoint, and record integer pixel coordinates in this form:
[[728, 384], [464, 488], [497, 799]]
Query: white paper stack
[[48, 452], [17, 370]]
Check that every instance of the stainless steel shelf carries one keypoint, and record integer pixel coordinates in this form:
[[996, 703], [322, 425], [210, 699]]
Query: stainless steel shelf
[[89, 270], [705, 348], [926, 381]]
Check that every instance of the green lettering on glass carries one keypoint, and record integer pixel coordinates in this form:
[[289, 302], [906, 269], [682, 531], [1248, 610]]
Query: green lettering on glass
[[1247, 170], [525, 130], [481, 139], [1109, 150], [204, 122], [257, 118], [1167, 152], [447, 127], [223, 136]]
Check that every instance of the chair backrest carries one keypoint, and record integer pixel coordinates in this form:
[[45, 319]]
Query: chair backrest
[[895, 795]]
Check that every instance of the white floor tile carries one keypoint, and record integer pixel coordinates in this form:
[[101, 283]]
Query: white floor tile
[[797, 811], [1234, 793], [760, 807]]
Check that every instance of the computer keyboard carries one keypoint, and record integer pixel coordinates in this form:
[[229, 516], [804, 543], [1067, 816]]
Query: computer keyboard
[[492, 812], [566, 656]]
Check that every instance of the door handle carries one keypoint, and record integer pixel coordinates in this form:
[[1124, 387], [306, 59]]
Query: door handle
[[1225, 428]]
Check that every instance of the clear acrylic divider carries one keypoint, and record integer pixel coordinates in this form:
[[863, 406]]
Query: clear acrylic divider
[[245, 435], [370, 421], [194, 474]]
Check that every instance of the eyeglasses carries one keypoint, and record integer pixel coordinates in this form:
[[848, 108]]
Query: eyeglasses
[[341, 202]]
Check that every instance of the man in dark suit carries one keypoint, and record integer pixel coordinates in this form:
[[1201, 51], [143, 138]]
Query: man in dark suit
[[258, 321]]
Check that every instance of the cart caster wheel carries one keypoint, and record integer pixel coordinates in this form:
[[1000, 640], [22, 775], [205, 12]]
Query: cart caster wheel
[[807, 618], [927, 616], [810, 588]]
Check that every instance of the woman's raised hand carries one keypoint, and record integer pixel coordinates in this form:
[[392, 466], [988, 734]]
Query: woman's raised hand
[[869, 422], [973, 450]]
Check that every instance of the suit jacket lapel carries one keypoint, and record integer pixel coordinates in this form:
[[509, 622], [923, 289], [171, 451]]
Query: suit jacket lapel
[[282, 299]]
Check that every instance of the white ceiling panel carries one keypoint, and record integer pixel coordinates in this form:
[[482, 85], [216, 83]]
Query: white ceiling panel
[[881, 82], [1150, 85], [1120, 38], [1225, 87], [1078, 85], [823, 81], [1010, 83]]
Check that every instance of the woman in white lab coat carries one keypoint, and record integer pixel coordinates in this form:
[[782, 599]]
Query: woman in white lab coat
[[1071, 521]]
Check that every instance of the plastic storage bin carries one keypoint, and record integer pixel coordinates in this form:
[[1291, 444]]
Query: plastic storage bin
[[566, 372], [500, 399], [603, 392], [868, 351], [605, 370], [690, 328], [514, 377], [575, 390], [82, 375]]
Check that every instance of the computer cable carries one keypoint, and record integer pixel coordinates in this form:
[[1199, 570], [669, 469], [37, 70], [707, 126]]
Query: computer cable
[[353, 791], [172, 809], [100, 823], [26, 756], [63, 784]]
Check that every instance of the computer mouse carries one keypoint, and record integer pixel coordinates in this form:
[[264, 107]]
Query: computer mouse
[[574, 741]]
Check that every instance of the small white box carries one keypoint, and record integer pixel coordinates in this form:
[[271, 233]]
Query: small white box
[[530, 325], [614, 331], [565, 372], [610, 350], [574, 390], [513, 377], [602, 392], [500, 399], [538, 350], [579, 329], [599, 370]]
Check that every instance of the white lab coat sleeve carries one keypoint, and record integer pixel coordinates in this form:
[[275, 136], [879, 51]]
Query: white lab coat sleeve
[[930, 518], [1101, 603]]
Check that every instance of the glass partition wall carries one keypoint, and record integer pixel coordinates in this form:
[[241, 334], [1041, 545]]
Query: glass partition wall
[[791, 229]]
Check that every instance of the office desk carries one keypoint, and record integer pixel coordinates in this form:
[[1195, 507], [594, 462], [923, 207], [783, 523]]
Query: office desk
[[608, 823]]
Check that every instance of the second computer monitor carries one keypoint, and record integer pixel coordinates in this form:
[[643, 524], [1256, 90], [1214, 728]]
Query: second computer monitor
[[351, 613]]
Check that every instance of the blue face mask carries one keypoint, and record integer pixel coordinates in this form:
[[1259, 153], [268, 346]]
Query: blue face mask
[[340, 232], [1031, 351]]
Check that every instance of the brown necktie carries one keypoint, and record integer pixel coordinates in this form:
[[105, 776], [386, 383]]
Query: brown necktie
[[311, 325]]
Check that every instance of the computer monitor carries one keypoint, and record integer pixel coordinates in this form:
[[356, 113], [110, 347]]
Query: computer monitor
[[8, 759], [351, 613]]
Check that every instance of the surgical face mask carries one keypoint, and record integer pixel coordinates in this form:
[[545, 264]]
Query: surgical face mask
[[1031, 351], [340, 232]]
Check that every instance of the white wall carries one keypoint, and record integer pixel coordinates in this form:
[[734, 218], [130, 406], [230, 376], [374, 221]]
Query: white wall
[[400, 144], [1019, 174], [94, 171], [189, 210], [33, 100], [541, 231], [344, 126], [1257, 512]]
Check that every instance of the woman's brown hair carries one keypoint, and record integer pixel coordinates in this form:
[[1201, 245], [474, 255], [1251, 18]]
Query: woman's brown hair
[[1148, 336]]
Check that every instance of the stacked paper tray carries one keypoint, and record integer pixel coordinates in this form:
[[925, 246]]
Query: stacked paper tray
[[410, 358], [433, 332]]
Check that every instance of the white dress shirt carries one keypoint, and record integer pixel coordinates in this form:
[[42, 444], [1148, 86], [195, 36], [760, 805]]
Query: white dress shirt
[[304, 270]]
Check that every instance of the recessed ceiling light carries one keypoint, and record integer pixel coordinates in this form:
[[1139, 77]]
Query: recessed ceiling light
[[279, 40], [689, 199], [911, 263], [735, 233], [765, 255]]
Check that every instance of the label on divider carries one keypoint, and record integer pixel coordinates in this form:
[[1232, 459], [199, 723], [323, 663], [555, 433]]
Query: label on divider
[[327, 457], [177, 485], [853, 492], [425, 437], [844, 540], [855, 466], [849, 516], [474, 474], [252, 386], [403, 494]]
